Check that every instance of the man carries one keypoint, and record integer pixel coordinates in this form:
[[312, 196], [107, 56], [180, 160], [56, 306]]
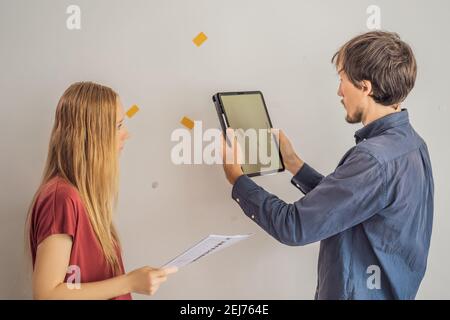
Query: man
[[374, 213]]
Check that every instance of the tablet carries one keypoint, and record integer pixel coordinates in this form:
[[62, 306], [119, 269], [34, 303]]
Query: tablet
[[247, 110]]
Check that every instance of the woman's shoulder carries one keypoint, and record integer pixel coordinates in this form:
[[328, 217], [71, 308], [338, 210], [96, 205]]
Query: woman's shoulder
[[56, 210], [57, 192]]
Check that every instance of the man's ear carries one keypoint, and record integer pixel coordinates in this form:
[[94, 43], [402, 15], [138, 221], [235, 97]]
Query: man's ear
[[366, 86]]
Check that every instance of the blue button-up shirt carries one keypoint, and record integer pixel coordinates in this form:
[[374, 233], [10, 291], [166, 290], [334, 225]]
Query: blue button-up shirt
[[373, 214]]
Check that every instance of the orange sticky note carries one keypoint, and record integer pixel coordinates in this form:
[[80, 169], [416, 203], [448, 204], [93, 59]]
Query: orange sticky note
[[132, 111], [199, 39], [188, 123]]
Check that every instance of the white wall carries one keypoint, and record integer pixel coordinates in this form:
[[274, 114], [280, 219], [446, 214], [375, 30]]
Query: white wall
[[144, 50]]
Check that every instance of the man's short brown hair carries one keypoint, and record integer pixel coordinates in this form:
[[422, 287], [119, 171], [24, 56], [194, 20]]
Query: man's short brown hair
[[383, 59]]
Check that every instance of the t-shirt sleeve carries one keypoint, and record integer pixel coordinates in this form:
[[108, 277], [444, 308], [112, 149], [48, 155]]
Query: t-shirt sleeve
[[56, 215]]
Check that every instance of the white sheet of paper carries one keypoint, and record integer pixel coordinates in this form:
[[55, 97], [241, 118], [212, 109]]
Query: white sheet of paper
[[211, 244]]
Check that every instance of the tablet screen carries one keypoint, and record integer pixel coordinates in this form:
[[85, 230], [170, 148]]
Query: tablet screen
[[247, 111]]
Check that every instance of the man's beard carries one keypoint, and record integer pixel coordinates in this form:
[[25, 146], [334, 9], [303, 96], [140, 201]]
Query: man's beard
[[355, 118]]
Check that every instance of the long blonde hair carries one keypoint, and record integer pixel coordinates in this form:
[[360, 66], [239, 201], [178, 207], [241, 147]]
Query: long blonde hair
[[83, 151]]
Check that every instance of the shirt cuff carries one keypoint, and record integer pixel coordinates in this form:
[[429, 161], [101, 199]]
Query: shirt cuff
[[242, 187], [243, 191], [306, 178]]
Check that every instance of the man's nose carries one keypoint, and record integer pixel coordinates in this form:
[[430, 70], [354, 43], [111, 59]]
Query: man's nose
[[339, 92]]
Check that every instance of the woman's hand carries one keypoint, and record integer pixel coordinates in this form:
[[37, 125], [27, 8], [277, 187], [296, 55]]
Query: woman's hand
[[147, 280]]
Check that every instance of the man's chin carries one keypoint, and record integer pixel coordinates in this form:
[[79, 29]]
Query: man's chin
[[352, 119]]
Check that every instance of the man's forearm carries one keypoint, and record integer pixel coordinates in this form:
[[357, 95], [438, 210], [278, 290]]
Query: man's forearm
[[294, 164]]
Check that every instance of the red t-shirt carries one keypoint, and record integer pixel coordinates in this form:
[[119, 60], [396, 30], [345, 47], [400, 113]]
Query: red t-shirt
[[59, 210]]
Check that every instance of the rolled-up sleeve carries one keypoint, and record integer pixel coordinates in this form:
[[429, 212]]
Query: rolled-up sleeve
[[353, 193]]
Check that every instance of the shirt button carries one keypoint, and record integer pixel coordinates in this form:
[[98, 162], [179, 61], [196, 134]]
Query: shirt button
[[237, 199], [253, 216], [298, 186]]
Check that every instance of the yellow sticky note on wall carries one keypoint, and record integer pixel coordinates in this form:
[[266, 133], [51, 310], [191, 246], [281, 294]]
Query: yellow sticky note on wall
[[188, 123], [199, 39], [132, 111]]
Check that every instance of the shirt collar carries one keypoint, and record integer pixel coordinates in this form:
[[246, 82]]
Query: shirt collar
[[378, 126]]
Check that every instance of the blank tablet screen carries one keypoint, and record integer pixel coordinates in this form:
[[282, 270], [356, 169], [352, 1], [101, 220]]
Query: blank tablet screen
[[247, 111]]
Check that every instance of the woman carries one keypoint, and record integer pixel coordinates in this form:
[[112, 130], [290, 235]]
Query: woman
[[74, 245]]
